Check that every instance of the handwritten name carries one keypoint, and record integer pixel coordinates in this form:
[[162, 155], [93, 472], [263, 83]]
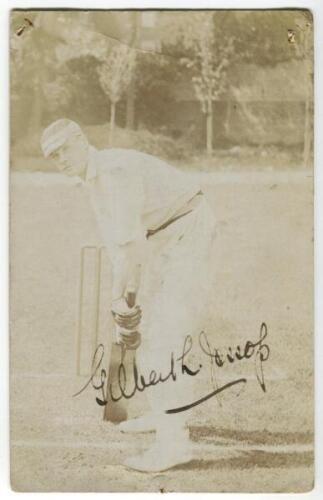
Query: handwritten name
[[127, 387]]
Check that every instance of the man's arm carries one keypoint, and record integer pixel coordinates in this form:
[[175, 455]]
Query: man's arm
[[129, 239], [127, 264], [126, 279]]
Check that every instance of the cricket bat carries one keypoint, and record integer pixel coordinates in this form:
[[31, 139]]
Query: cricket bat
[[116, 411]]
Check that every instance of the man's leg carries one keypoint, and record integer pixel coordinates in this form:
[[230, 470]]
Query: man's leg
[[177, 308], [172, 445]]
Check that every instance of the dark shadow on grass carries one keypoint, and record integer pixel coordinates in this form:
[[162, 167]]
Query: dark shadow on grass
[[252, 460], [212, 433]]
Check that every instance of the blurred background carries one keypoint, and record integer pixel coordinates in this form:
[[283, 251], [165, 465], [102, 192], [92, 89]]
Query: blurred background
[[202, 89]]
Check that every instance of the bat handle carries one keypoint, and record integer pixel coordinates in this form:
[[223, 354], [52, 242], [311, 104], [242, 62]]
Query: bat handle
[[131, 298]]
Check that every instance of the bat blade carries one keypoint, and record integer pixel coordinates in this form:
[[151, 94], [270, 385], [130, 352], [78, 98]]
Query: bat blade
[[117, 411]]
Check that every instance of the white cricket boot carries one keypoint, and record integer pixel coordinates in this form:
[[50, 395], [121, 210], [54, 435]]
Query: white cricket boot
[[145, 423], [172, 447]]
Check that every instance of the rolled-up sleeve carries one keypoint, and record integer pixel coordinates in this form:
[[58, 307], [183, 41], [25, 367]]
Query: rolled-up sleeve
[[126, 202]]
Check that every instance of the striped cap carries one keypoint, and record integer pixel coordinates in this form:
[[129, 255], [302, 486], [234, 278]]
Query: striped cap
[[56, 134]]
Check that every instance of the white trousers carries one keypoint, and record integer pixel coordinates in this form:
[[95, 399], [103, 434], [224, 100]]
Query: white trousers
[[174, 295]]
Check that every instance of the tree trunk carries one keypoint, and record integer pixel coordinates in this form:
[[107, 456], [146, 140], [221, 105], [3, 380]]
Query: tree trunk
[[209, 132], [131, 92], [227, 120], [130, 107], [112, 122]]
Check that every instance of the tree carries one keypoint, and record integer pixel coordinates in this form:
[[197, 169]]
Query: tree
[[115, 73], [41, 45], [35, 70], [207, 52], [134, 35], [156, 77], [84, 107]]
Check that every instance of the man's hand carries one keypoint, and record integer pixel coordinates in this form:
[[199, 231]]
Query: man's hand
[[131, 339], [126, 317]]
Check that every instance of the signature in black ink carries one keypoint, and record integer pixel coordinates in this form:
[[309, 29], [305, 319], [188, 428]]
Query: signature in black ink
[[139, 383], [259, 350]]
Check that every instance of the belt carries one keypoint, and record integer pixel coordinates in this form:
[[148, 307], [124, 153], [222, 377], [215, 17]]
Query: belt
[[151, 232]]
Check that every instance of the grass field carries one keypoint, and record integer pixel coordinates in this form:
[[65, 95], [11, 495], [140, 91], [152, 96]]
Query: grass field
[[264, 272]]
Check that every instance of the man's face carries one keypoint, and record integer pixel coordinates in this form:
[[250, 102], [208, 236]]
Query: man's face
[[71, 158]]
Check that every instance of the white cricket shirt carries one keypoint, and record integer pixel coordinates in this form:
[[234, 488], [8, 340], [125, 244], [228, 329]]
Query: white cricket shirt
[[132, 192]]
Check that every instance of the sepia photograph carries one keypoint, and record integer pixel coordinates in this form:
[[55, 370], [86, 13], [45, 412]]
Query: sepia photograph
[[161, 251]]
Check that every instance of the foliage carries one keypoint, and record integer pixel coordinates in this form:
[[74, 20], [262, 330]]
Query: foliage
[[155, 78], [207, 51], [209, 58], [36, 72], [262, 36], [66, 64], [116, 71], [142, 140], [83, 106]]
